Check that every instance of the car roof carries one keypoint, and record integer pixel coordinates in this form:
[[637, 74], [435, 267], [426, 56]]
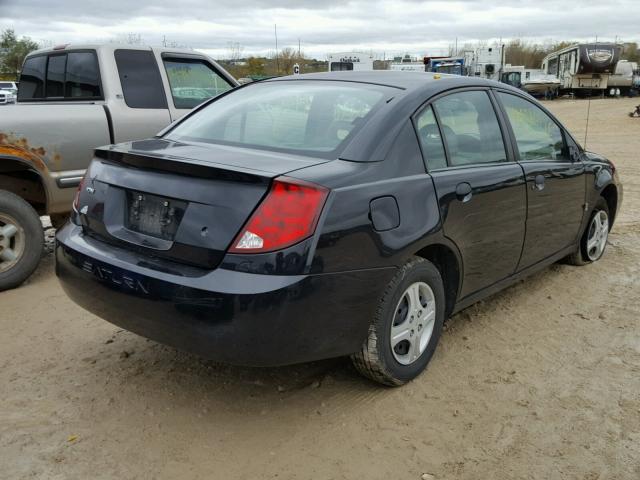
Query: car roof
[[393, 78]]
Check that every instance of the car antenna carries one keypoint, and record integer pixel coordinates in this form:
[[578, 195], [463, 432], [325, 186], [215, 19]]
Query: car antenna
[[586, 129]]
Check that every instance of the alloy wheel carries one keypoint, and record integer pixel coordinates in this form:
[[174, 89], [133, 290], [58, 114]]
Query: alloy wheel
[[598, 234], [12, 242], [413, 323]]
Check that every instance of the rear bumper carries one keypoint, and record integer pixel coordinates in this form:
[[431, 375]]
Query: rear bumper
[[233, 317]]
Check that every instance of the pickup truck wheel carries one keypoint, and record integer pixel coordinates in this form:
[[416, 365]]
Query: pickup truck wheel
[[21, 240], [405, 330]]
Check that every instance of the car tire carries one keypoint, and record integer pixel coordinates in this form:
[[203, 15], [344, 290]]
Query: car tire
[[585, 254], [386, 359], [21, 240]]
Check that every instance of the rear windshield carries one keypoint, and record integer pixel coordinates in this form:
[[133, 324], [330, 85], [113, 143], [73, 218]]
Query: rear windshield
[[308, 117], [6, 85]]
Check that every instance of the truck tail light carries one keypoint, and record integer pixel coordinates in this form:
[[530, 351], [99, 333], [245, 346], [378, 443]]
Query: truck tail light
[[287, 215]]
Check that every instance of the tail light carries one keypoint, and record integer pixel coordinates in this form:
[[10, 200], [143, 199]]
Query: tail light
[[76, 198], [287, 215]]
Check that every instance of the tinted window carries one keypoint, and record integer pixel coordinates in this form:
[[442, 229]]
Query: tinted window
[[32, 78], [538, 137], [140, 79], [83, 76], [430, 139], [341, 66], [470, 128], [303, 116], [6, 85], [55, 75], [193, 81]]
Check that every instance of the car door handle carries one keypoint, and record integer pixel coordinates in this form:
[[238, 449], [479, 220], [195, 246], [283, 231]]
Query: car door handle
[[464, 192], [538, 183]]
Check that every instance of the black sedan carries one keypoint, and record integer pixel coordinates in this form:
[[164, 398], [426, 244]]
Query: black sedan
[[325, 215]]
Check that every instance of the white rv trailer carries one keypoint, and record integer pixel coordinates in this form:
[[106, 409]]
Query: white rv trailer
[[348, 61], [623, 77], [583, 67], [485, 62]]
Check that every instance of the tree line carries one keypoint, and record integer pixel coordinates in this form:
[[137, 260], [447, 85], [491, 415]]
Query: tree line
[[13, 49]]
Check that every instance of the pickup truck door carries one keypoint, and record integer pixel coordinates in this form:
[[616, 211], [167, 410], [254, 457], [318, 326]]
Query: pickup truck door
[[190, 79], [555, 182], [139, 108]]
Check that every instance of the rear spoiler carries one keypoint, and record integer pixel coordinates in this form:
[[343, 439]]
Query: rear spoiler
[[182, 166]]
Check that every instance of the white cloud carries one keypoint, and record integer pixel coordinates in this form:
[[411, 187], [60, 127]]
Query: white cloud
[[384, 27]]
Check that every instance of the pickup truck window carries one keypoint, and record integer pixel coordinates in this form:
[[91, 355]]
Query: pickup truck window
[[83, 76], [55, 75], [32, 78], [193, 81], [68, 76], [140, 79]]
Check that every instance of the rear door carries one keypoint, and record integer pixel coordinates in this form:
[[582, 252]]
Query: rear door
[[555, 183], [140, 110], [481, 190]]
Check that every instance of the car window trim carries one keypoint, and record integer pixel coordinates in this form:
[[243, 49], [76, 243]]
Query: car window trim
[[66, 99], [185, 56], [506, 137], [516, 150]]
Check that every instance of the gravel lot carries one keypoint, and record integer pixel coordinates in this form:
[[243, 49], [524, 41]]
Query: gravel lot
[[541, 381]]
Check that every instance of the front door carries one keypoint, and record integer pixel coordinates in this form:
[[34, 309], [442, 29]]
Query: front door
[[555, 183], [481, 193]]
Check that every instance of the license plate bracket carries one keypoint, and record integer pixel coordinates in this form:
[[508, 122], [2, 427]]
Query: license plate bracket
[[153, 215]]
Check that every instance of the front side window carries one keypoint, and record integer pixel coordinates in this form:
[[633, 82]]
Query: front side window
[[470, 128], [32, 78], [193, 81], [430, 139], [538, 137], [308, 117]]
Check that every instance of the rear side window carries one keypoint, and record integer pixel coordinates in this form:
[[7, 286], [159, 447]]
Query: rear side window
[[470, 128], [83, 76], [313, 118], [538, 137], [193, 81], [32, 78], [430, 139], [140, 79], [61, 76]]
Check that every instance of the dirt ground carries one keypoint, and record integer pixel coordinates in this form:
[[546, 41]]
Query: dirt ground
[[541, 381]]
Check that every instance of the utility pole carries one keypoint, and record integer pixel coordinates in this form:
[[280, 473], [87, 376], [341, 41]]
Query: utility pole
[[275, 31], [298, 48]]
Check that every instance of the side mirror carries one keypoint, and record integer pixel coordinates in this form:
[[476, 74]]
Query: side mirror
[[574, 153]]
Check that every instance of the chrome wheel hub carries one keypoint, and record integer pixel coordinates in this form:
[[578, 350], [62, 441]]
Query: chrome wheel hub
[[12, 242], [598, 234], [413, 322]]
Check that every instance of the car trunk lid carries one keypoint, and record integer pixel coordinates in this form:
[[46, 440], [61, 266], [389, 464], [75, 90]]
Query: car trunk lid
[[181, 202]]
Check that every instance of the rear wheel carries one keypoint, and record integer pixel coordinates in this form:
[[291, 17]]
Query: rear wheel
[[594, 239], [21, 240], [405, 331]]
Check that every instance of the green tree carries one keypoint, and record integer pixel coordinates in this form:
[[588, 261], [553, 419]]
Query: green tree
[[12, 52]]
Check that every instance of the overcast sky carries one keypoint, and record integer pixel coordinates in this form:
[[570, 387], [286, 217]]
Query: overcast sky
[[322, 26]]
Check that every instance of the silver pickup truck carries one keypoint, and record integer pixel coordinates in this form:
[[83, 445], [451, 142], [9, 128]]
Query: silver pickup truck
[[72, 99]]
